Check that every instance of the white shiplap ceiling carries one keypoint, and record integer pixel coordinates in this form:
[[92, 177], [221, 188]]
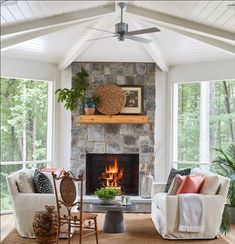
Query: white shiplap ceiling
[[56, 31]]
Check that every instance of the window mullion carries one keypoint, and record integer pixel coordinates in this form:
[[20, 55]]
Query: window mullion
[[204, 122], [175, 123], [50, 122]]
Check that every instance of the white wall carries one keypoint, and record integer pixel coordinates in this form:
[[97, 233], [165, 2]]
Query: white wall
[[64, 127], [27, 69], [208, 71], [160, 126]]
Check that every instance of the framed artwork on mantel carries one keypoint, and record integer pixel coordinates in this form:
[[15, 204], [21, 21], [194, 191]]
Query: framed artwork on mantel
[[133, 100]]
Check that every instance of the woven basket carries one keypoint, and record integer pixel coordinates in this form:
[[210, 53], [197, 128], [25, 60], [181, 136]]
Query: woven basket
[[112, 99]]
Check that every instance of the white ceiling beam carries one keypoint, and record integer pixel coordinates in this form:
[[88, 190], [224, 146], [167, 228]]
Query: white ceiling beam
[[83, 43], [224, 46], [153, 49], [228, 48], [57, 20], [15, 40], [182, 24]]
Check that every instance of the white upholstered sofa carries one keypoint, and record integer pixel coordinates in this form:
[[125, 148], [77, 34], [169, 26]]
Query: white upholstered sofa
[[26, 204], [165, 212]]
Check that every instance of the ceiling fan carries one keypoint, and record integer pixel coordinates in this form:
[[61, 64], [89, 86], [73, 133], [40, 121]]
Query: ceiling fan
[[121, 30]]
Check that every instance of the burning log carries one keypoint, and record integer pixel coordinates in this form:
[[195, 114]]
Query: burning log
[[112, 176]]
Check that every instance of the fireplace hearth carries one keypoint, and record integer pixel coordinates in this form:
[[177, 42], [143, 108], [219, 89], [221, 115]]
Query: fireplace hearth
[[112, 170]]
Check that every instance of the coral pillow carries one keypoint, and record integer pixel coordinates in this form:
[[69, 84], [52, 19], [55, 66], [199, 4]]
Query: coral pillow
[[191, 184]]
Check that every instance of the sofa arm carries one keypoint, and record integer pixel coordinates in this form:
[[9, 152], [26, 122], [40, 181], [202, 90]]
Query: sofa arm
[[33, 201], [157, 187], [24, 207], [213, 209]]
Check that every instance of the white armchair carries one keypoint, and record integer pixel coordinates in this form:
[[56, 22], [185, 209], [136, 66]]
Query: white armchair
[[25, 205], [165, 213]]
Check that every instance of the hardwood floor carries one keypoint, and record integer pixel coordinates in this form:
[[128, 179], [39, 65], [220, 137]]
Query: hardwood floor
[[7, 225], [230, 238]]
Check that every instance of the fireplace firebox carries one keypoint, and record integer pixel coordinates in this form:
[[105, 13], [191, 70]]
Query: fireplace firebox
[[112, 170]]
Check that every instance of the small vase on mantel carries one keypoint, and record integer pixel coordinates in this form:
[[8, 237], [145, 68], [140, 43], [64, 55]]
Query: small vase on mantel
[[89, 106]]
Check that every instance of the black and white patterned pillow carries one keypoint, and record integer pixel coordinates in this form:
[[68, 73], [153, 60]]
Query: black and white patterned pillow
[[172, 175], [42, 183]]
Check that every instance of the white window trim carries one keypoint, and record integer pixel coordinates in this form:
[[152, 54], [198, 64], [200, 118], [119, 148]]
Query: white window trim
[[50, 130], [191, 162], [204, 158], [26, 162], [50, 124]]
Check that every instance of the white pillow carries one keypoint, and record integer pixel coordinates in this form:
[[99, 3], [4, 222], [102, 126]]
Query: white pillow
[[198, 171], [210, 185], [25, 182]]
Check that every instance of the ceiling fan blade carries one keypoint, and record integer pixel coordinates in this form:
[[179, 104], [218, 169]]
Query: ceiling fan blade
[[143, 31], [99, 38], [139, 39], [91, 27]]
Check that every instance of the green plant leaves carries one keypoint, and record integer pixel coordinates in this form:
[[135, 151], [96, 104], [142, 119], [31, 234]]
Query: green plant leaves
[[226, 220], [107, 193], [72, 96], [226, 162]]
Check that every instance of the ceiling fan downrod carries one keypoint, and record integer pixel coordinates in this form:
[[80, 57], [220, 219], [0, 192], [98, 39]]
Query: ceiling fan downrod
[[121, 28], [122, 6]]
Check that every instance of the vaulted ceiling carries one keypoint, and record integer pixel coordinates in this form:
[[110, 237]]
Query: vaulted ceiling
[[58, 31]]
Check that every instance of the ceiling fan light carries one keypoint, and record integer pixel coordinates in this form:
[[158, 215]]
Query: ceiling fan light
[[121, 37]]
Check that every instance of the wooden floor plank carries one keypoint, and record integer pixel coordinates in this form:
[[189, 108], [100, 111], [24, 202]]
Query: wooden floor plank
[[7, 225]]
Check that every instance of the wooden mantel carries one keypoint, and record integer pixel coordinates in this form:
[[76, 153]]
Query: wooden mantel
[[111, 119]]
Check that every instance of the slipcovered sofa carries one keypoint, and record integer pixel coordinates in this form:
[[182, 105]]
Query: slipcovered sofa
[[165, 212], [24, 205]]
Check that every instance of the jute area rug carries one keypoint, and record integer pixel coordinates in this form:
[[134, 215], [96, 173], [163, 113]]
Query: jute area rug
[[140, 230]]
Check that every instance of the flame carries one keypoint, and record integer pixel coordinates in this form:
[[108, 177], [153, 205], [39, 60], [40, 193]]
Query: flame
[[112, 175]]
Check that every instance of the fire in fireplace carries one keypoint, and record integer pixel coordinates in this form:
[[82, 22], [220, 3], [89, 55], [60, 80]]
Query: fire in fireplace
[[112, 170], [112, 175]]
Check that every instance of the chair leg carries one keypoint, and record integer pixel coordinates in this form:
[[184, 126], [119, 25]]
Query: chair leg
[[58, 233], [96, 231], [80, 232], [69, 231]]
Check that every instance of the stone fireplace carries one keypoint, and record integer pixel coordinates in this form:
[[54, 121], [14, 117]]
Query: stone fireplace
[[118, 139], [113, 170]]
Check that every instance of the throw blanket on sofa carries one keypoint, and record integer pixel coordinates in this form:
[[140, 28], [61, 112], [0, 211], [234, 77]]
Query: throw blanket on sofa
[[191, 213]]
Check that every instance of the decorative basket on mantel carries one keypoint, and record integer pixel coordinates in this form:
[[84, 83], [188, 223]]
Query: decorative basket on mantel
[[112, 99]]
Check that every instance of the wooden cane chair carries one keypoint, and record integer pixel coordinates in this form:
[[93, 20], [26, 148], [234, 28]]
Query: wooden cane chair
[[69, 208]]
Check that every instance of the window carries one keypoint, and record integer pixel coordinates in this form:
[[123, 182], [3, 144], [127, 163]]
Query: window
[[204, 119], [25, 122]]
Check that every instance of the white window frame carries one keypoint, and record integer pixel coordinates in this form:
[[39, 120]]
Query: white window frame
[[204, 158], [50, 132]]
